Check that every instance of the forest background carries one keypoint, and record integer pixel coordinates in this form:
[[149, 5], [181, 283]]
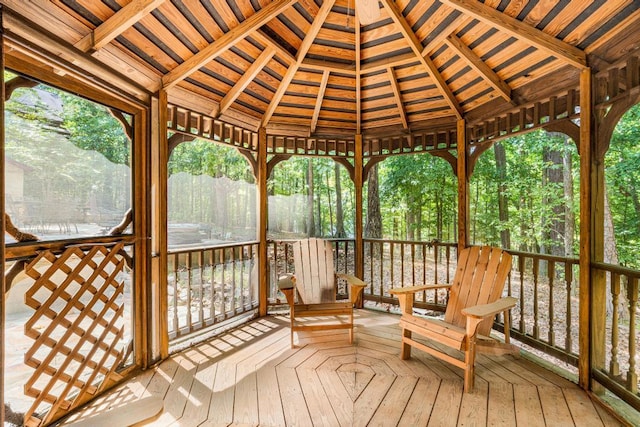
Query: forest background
[[523, 191]]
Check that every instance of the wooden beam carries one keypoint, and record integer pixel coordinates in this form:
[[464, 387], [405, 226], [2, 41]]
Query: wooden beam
[[334, 67], [263, 208], [358, 41], [265, 39], [117, 24], [316, 110], [223, 43], [463, 186], [479, 66], [312, 32], [521, 31], [246, 78], [396, 93], [446, 31], [416, 46]]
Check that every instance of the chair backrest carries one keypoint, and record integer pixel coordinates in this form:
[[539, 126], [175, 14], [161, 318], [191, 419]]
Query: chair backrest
[[479, 279], [314, 271]]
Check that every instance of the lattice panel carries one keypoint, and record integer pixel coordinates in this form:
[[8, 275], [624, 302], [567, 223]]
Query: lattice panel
[[77, 328]]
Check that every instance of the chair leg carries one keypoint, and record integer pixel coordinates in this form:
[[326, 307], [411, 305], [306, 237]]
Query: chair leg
[[405, 349], [469, 370]]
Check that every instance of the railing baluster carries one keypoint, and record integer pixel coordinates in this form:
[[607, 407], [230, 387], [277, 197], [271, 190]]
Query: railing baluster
[[212, 281], [568, 277], [551, 267], [189, 287], [402, 264], [536, 326], [413, 263], [392, 263], [632, 296], [522, 310], [201, 286], [176, 262], [614, 366], [381, 269]]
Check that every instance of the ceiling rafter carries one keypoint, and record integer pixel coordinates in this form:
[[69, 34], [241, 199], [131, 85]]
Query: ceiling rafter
[[358, 41], [396, 93], [416, 46], [521, 31], [246, 78], [479, 66], [316, 110], [265, 39], [117, 24], [438, 38], [312, 32], [224, 42]]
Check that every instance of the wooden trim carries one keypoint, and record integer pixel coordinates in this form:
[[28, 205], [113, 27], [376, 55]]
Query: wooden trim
[[321, 91], [117, 24], [245, 80], [224, 42], [398, 97], [416, 46], [521, 31], [463, 187], [302, 52], [3, 285], [142, 232], [441, 36], [584, 341], [358, 184], [263, 206], [479, 66], [160, 152], [35, 42], [358, 42]]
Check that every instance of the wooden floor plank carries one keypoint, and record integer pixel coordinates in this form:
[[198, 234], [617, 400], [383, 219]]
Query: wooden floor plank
[[582, 409], [371, 398], [501, 405], [554, 407], [527, 404], [293, 403], [251, 376], [318, 404], [473, 407], [269, 404], [390, 410], [420, 404], [447, 405]]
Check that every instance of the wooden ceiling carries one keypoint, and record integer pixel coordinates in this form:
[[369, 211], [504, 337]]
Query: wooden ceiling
[[309, 67]]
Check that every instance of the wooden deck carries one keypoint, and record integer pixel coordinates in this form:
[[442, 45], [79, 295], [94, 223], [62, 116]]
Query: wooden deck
[[250, 376]]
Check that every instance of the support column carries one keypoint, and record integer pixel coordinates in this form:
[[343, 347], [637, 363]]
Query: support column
[[159, 340], [463, 186], [586, 228], [261, 179], [2, 227], [359, 226]]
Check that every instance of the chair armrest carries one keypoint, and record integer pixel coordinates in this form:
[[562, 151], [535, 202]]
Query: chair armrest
[[486, 310], [414, 289], [287, 281], [351, 280]]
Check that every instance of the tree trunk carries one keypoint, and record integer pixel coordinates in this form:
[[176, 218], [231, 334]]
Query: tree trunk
[[503, 200], [554, 176], [570, 219], [373, 226], [311, 228], [329, 204], [340, 233]]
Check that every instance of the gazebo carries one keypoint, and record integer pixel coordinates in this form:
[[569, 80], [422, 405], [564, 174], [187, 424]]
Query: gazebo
[[355, 81]]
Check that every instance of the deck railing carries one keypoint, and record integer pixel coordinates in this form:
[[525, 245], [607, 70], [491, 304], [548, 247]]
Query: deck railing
[[618, 370], [207, 286]]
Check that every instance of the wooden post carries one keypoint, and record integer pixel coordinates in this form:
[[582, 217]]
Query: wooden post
[[159, 342], [140, 202], [359, 227], [586, 228], [463, 186], [2, 227], [263, 264]]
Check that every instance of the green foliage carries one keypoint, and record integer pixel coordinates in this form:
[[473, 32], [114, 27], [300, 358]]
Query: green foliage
[[92, 127], [202, 157]]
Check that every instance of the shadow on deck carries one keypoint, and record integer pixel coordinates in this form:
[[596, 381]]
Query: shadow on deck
[[250, 376]]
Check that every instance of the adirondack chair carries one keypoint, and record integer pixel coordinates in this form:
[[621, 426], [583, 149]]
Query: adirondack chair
[[474, 300], [316, 284]]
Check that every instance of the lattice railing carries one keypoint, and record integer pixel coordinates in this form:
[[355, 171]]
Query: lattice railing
[[77, 328]]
